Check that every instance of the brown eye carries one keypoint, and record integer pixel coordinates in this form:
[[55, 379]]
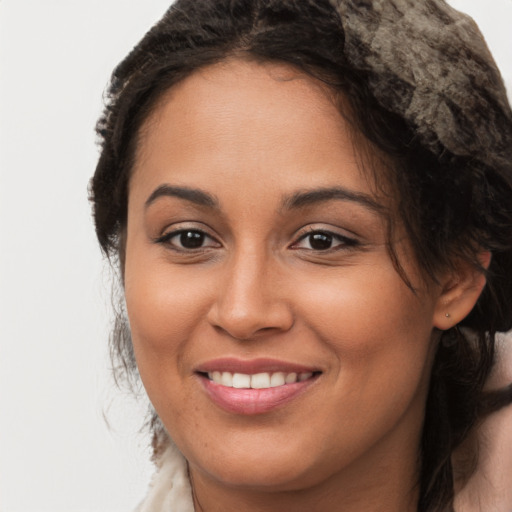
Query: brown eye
[[320, 241], [324, 241], [188, 239], [191, 239]]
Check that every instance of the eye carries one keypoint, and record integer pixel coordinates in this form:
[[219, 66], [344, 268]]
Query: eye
[[324, 241], [188, 239]]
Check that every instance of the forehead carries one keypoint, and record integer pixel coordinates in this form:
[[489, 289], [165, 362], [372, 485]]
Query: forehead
[[263, 118], [255, 87]]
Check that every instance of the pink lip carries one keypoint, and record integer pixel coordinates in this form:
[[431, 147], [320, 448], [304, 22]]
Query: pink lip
[[252, 366], [253, 401]]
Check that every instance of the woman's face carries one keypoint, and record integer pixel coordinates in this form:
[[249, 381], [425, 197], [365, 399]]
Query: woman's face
[[275, 338]]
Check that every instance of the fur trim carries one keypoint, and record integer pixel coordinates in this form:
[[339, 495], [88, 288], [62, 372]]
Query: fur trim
[[170, 487]]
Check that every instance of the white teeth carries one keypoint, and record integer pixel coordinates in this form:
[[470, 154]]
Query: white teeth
[[277, 379], [291, 378], [226, 379], [258, 380], [241, 380]]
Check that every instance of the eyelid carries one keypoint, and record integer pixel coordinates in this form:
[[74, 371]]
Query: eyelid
[[183, 227], [346, 242]]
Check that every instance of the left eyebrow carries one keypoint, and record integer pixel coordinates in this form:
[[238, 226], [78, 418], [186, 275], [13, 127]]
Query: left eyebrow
[[193, 195], [320, 195]]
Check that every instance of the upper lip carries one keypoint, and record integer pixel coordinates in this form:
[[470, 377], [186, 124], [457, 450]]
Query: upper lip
[[252, 366]]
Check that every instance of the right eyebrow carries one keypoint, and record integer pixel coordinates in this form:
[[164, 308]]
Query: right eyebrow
[[194, 195], [320, 195]]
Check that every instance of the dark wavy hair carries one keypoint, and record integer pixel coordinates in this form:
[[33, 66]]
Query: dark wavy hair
[[423, 89]]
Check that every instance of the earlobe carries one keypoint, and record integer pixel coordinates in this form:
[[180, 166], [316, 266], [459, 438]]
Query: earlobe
[[460, 292]]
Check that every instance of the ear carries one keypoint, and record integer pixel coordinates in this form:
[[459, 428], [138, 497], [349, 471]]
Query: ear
[[460, 291]]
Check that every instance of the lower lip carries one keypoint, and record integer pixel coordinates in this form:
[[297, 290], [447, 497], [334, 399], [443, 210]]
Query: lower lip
[[253, 401]]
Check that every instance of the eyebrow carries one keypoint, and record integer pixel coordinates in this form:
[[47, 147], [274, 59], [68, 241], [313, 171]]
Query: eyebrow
[[310, 197], [293, 202], [193, 195]]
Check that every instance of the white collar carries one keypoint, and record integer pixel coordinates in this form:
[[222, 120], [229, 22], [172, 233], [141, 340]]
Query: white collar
[[170, 487]]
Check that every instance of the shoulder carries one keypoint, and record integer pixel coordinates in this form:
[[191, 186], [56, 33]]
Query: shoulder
[[170, 487], [490, 488]]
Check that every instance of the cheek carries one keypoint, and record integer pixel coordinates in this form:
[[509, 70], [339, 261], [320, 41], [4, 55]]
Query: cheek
[[366, 299], [164, 308], [371, 334], [155, 313], [382, 348]]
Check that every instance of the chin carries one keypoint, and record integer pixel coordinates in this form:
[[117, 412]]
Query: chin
[[259, 462], [271, 475]]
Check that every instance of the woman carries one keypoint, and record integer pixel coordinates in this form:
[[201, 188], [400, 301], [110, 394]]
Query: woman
[[309, 203]]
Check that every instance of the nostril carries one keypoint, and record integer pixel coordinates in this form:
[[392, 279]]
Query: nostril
[[245, 316]]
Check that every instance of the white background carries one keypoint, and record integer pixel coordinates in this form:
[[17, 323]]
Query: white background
[[56, 452]]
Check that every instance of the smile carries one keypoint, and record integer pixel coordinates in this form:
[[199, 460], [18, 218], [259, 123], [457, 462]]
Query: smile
[[257, 381], [254, 387]]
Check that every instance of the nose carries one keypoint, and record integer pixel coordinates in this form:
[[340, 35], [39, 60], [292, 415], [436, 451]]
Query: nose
[[250, 299]]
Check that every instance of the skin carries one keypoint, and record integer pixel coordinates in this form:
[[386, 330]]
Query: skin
[[258, 288]]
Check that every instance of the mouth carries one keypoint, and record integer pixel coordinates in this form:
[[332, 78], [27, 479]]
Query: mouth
[[263, 380], [263, 387]]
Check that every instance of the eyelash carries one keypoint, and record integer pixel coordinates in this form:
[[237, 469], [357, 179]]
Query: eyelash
[[167, 237], [199, 235], [344, 241]]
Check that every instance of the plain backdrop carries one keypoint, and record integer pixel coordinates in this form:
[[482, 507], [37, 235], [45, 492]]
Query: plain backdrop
[[57, 452]]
